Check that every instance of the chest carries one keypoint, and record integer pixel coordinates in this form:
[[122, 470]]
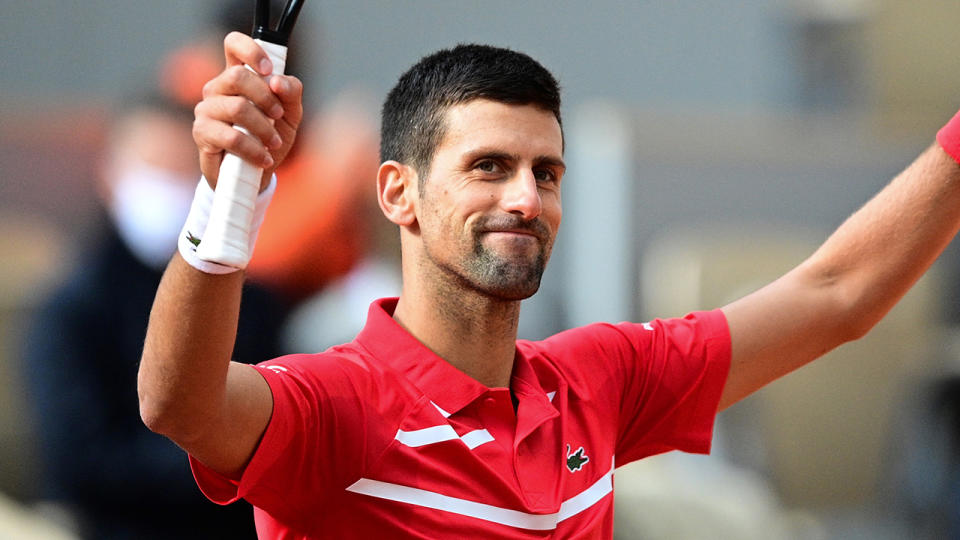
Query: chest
[[490, 470]]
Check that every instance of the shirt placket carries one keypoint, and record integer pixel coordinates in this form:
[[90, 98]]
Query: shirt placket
[[537, 453]]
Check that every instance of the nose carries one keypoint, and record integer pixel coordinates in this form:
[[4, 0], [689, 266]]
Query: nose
[[521, 196]]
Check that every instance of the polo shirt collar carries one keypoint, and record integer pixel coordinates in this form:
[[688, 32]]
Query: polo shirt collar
[[449, 388]]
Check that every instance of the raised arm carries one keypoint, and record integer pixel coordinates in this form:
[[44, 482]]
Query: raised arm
[[189, 389], [851, 281]]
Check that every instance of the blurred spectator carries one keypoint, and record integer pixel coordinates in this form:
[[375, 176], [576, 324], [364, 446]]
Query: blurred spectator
[[324, 200], [329, 204], [922, 489], [82, 352], [184, 71], [325, 194], [116, 477]]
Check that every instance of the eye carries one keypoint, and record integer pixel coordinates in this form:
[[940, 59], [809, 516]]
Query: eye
[[487, 166], [544, 175]]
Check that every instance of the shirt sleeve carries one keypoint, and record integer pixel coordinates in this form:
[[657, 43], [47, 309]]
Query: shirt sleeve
[[659, 382], [674, 385], [312, 446]]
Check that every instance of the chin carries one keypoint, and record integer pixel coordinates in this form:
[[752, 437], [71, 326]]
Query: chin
[[500, 277], [514, 293], [510, 282]]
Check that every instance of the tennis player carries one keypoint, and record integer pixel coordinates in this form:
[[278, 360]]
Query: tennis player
[[436, 422]]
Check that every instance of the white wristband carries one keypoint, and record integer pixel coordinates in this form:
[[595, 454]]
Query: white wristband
[[192, 233]]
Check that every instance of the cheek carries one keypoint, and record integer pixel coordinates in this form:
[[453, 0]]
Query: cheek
[[469, 204], [440, 225], [552, 210]]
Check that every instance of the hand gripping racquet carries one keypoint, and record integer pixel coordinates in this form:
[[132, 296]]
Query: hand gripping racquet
[[227, 237]]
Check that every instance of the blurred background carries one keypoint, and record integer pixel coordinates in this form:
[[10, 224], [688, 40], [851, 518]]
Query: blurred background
[[712, 145]]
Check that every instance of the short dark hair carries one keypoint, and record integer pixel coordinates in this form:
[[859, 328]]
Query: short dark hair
[[413, 113]]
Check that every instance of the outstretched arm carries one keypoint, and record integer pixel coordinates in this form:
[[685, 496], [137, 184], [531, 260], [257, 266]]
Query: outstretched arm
[[851, 281], [189, 390]]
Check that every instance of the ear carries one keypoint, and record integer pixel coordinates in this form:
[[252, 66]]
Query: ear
[[397, 192]]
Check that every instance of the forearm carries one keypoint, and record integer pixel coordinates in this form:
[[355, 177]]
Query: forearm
[[851, 282], [189, 389], [874, 258], [186, 355]]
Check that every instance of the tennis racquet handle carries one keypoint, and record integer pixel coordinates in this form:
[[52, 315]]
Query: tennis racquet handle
[[227, 239]]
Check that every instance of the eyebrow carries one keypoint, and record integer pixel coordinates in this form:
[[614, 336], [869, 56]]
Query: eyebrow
[[550, 161], [489, 153]]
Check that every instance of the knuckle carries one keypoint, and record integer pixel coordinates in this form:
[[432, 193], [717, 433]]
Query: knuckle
[[206, 149], [203, 145], [235, 107], [235, 75], [208, 88], [233, 137], [232, 75], [201, 131], [199, 111]]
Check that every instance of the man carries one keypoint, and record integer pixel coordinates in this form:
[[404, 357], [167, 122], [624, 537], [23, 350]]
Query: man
[[436, 421]]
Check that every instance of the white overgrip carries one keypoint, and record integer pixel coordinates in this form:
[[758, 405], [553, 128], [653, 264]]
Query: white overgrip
[[228, 237]]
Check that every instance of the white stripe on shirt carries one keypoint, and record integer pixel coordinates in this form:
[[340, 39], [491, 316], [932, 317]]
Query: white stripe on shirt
[[513, 518]]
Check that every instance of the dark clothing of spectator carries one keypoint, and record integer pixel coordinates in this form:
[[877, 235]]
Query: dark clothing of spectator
[[81, 360]]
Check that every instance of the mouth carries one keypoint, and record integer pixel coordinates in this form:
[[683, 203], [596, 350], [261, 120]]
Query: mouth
[[513, 239], [519, 233], [516, 228]]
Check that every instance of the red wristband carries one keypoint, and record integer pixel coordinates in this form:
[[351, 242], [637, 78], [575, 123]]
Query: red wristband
[[949, 137]]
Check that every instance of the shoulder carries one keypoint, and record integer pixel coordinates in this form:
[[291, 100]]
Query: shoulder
[[598, 339], [607, 338], [348, 360], [346, 374], [323, 397], [625, 345], [586, 358]]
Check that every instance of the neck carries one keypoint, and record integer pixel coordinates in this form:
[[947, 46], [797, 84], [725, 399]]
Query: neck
[[476, 333]]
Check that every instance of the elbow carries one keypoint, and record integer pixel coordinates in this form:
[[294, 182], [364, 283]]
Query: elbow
[[857, 313], [155, 414], [847, 306], [161, 414], [854, 327], [163, 419], [152, 416]]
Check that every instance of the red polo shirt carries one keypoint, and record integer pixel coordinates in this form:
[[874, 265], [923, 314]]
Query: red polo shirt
[[381, 438]]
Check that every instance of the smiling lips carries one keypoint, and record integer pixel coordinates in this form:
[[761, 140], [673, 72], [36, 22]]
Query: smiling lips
[[514, 232], [534, 229]]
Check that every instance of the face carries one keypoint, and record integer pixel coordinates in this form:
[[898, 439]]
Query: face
[[149, 183], [490, 207]]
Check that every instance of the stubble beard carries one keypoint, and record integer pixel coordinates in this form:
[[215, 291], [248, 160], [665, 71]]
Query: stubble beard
[[489, 273], [503, 278], [507, 278]]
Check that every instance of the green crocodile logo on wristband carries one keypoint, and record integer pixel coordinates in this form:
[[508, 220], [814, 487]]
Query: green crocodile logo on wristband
[[193, 239]]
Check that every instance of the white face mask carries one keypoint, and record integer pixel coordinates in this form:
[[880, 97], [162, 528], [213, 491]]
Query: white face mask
[[149, 207]]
